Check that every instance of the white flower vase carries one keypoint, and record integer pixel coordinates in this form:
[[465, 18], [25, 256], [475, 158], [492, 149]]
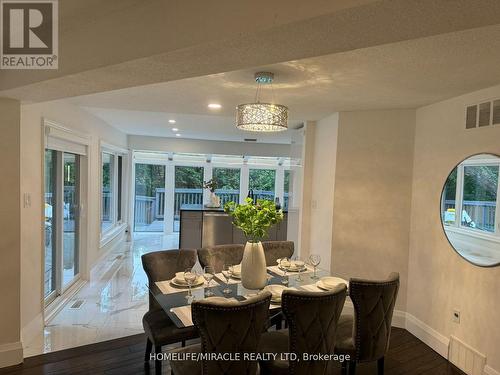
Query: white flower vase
[[253, 266]]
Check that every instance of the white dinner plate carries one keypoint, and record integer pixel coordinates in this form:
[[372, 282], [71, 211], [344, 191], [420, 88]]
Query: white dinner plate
[[198, 282], [293, 269], [330, 283]]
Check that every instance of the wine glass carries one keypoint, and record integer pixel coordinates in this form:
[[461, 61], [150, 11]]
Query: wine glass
[[284, 265], [226, 272], [314, 260], [299, 263], [190, 276], [208, 275]]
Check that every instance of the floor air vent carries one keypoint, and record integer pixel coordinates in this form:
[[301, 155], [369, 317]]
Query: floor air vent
[[466, 358], [77, 304]]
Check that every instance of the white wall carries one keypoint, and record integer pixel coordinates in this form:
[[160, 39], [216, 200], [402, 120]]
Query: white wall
[[11, 352], [296, 190], [373, 195], [324, 156], [32, 253], [439, 279]]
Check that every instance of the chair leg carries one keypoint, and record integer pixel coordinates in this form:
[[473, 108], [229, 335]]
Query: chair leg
[[158, 362], [149, 347], [380, 366], [352, 367], [278, 325], [344, 368]]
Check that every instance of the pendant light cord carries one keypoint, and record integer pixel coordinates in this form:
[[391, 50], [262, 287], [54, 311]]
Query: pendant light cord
[[258, 92]]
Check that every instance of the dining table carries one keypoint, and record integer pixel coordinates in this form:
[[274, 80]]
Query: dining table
[[176, 301]]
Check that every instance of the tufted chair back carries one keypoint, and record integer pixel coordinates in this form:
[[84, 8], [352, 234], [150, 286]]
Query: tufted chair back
[[312, 319], [373, 308], [162, 265], [217, 256], [274, 250], [227, 326]]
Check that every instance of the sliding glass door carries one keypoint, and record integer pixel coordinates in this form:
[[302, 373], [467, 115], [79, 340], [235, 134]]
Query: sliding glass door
[[62, 222], [71, 204], [149, 212], [50, 223]]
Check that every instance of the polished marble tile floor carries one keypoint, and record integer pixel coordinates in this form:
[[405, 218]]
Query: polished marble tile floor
[[113, 302]]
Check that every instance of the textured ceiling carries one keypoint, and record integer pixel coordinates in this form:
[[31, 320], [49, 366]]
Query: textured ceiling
[[131, 43], [401, 75]]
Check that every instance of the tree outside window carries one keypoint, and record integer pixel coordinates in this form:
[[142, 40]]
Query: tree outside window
[[228, 184]]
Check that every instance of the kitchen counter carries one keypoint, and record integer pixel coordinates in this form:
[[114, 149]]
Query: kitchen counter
[[206, 226]]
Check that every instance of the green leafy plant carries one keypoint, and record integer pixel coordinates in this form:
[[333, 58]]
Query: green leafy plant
[[210, 185], [254, 219]]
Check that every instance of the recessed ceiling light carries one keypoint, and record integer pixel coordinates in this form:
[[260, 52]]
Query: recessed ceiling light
[[175, 129], [172, 121], [177, 135], [214, 106]]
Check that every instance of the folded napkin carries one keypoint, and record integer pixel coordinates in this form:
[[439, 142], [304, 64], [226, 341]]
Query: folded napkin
[[167, 288], [221, 277], [184, 315], [184, 312]]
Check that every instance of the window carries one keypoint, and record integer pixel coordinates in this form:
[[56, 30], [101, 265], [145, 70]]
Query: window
[[228, 184], [107, 191], [449, 195], [149, 212], [112, 187], [119, 188], [188, 189], [286, 189], [262, 183], [471, 189], [50, 221], [480, 197]]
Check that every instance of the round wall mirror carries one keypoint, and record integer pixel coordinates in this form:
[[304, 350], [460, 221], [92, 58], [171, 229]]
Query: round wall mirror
[[470, 209]]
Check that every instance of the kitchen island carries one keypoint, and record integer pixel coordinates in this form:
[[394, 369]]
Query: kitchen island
[[203, 226]]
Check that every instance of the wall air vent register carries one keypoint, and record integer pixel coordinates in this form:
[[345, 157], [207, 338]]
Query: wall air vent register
[[483, 114]]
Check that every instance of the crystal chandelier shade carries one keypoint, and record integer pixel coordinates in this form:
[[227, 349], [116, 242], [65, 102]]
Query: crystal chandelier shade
[[262, 117]]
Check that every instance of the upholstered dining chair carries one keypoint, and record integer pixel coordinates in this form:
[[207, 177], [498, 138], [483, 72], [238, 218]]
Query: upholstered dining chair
[[365, 336], [159, 329], [217, 256], [225, 326], [274, 250], [312, 325]]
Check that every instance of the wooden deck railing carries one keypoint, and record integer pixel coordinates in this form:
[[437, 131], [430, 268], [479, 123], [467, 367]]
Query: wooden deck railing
[[481, 212]]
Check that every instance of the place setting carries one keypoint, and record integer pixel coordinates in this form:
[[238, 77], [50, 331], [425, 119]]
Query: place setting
[[187, 281]]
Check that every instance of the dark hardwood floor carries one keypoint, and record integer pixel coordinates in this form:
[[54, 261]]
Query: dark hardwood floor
[[407, 355]]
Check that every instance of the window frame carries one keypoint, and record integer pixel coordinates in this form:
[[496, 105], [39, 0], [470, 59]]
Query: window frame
[[457, 225], [116, 224]]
